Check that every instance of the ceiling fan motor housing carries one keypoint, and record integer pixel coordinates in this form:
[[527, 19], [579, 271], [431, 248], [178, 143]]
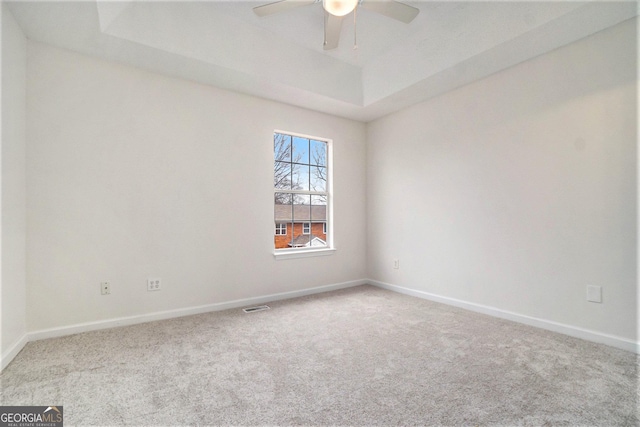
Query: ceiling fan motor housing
[[339, 7]]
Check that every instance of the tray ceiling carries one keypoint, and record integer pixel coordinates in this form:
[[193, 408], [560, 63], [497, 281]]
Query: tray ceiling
[[280, 57]]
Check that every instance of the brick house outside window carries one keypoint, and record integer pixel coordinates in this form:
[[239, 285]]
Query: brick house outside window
[[295, 236]]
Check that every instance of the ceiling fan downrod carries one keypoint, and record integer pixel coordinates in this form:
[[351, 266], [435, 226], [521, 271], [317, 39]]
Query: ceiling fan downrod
[[355, 29]]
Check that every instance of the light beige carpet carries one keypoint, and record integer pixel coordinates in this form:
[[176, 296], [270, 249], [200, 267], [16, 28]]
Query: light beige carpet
[[360, 356]]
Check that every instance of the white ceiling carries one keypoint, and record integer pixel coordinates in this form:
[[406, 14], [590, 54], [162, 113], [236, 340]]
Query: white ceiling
[[280, 57]]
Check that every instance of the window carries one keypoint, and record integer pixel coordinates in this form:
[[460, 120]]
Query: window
[[281, 229], [301, 176]]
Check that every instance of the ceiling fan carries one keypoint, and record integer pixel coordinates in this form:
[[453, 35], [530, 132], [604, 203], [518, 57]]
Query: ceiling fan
[[336, 10]]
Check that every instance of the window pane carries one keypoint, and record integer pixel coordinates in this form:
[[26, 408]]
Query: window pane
[[300, 150], [301, 215], [300, 177], [318, 178], [282, 204], [301, 204], [284, 199], [282, 147], [318, 208], [319, 220], [318, 153], [282, 175], [283, 214]]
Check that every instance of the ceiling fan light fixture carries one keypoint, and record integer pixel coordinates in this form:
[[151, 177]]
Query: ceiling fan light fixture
[[339, 7]]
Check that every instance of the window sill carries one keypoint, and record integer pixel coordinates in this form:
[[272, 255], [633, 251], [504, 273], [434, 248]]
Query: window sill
[[302, 253]]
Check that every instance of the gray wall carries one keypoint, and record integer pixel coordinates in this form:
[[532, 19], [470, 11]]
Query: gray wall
[[13, 188], [519, 190], [134, 175]]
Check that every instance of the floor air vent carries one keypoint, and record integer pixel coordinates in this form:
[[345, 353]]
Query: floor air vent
[[257, 308]]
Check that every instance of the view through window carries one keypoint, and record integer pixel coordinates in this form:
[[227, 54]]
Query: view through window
[[300, 174]]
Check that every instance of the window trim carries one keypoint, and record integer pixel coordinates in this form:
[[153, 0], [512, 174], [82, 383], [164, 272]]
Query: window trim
[[291, 253], [306, 226], [302, 253]]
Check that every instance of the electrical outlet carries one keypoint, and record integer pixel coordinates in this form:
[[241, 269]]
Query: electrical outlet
[[594, 294], [105, 288], [396, 264], [154, 284]]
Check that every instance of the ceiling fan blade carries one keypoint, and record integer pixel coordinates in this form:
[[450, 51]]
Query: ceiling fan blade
[[392, 9], [280, 6], [332, 28]]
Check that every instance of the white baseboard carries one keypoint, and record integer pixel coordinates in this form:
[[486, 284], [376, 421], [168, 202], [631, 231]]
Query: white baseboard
[[13, 351], [573, 331], [170, 314], [585, 334]]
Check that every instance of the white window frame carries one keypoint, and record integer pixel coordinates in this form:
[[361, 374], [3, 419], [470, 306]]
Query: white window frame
[[306, 226], [291, 253], [279, 228], [324, 228]]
